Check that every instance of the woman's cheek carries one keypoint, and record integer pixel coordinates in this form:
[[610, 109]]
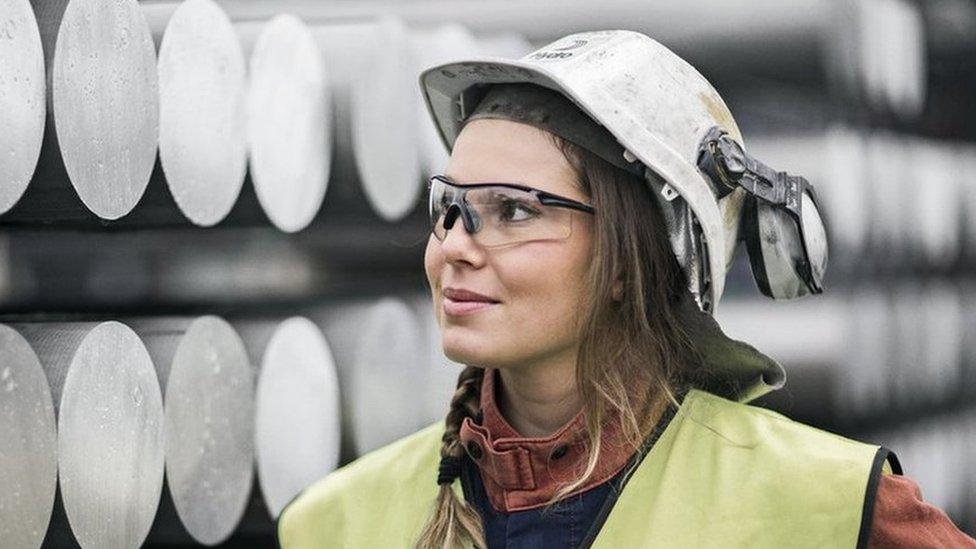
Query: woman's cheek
[[433, 262], [532, 287]]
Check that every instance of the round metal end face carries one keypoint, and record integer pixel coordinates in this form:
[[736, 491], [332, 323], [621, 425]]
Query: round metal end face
[[297, 424], [432, 47], [209, 425], [815, 235], [202, 135], [28, 453], [442, 372], [384, 123], [22, 96], [110, 439], [508, 44], [289, 123], [106, 103], [390, 330]]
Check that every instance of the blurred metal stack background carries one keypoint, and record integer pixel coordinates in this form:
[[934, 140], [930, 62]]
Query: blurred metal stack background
[[212, 229]]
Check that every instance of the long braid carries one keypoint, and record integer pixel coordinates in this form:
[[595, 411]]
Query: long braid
[[454, 521]]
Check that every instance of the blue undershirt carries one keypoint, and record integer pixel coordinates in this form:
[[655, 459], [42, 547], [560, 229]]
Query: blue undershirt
[[565, 524]]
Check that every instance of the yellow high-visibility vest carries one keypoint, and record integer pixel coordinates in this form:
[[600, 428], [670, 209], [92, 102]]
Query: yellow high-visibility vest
[[722, 474]]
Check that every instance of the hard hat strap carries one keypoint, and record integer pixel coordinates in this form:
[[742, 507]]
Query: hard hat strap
[[728, 166]]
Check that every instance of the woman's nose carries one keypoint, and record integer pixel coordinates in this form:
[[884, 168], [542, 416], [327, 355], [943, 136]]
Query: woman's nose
[[459, 245]]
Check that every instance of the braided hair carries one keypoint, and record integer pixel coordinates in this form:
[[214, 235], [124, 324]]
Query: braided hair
[[454, 520]]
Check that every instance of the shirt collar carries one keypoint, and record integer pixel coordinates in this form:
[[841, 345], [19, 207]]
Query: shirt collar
[[521, 473]]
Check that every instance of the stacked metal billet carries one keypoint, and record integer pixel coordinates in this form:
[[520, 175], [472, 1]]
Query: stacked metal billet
[[106, 410]]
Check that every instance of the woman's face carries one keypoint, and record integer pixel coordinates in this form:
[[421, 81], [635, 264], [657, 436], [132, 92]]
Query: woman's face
[[537, 285]]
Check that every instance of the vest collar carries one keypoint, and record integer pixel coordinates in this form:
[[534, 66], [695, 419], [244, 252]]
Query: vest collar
[[521, 473]]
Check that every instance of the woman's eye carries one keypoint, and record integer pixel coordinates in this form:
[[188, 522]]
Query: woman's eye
[[513, 210]]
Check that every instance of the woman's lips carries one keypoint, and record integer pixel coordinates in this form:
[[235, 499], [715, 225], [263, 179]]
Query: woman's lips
[[460, 301], [459, 308]]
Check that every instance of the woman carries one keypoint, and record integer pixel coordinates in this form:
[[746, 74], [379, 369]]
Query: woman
[[580, 236]]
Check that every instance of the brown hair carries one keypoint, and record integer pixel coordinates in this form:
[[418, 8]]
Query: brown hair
[[632, 348]]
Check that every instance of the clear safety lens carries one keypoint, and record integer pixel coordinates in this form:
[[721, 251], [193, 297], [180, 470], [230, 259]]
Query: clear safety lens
[[496, 215]]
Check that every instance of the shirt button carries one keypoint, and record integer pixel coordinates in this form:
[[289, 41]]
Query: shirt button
[[560, 451], [474, 450]]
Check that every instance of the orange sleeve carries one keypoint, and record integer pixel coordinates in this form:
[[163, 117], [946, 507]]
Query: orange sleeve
[[902, 519]]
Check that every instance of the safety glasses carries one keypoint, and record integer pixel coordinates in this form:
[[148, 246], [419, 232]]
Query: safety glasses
[[499, 214]]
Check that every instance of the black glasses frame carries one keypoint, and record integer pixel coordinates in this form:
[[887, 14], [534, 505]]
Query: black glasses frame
[[545, 198]]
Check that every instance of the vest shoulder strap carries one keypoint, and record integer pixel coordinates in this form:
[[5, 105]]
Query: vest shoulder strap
[[727, 474], [379, 500]]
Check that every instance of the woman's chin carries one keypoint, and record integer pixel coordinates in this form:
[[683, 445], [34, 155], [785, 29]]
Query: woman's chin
[[462, 355], [468, 348]]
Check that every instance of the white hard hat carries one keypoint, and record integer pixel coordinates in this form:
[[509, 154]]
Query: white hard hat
[[667, 117]]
